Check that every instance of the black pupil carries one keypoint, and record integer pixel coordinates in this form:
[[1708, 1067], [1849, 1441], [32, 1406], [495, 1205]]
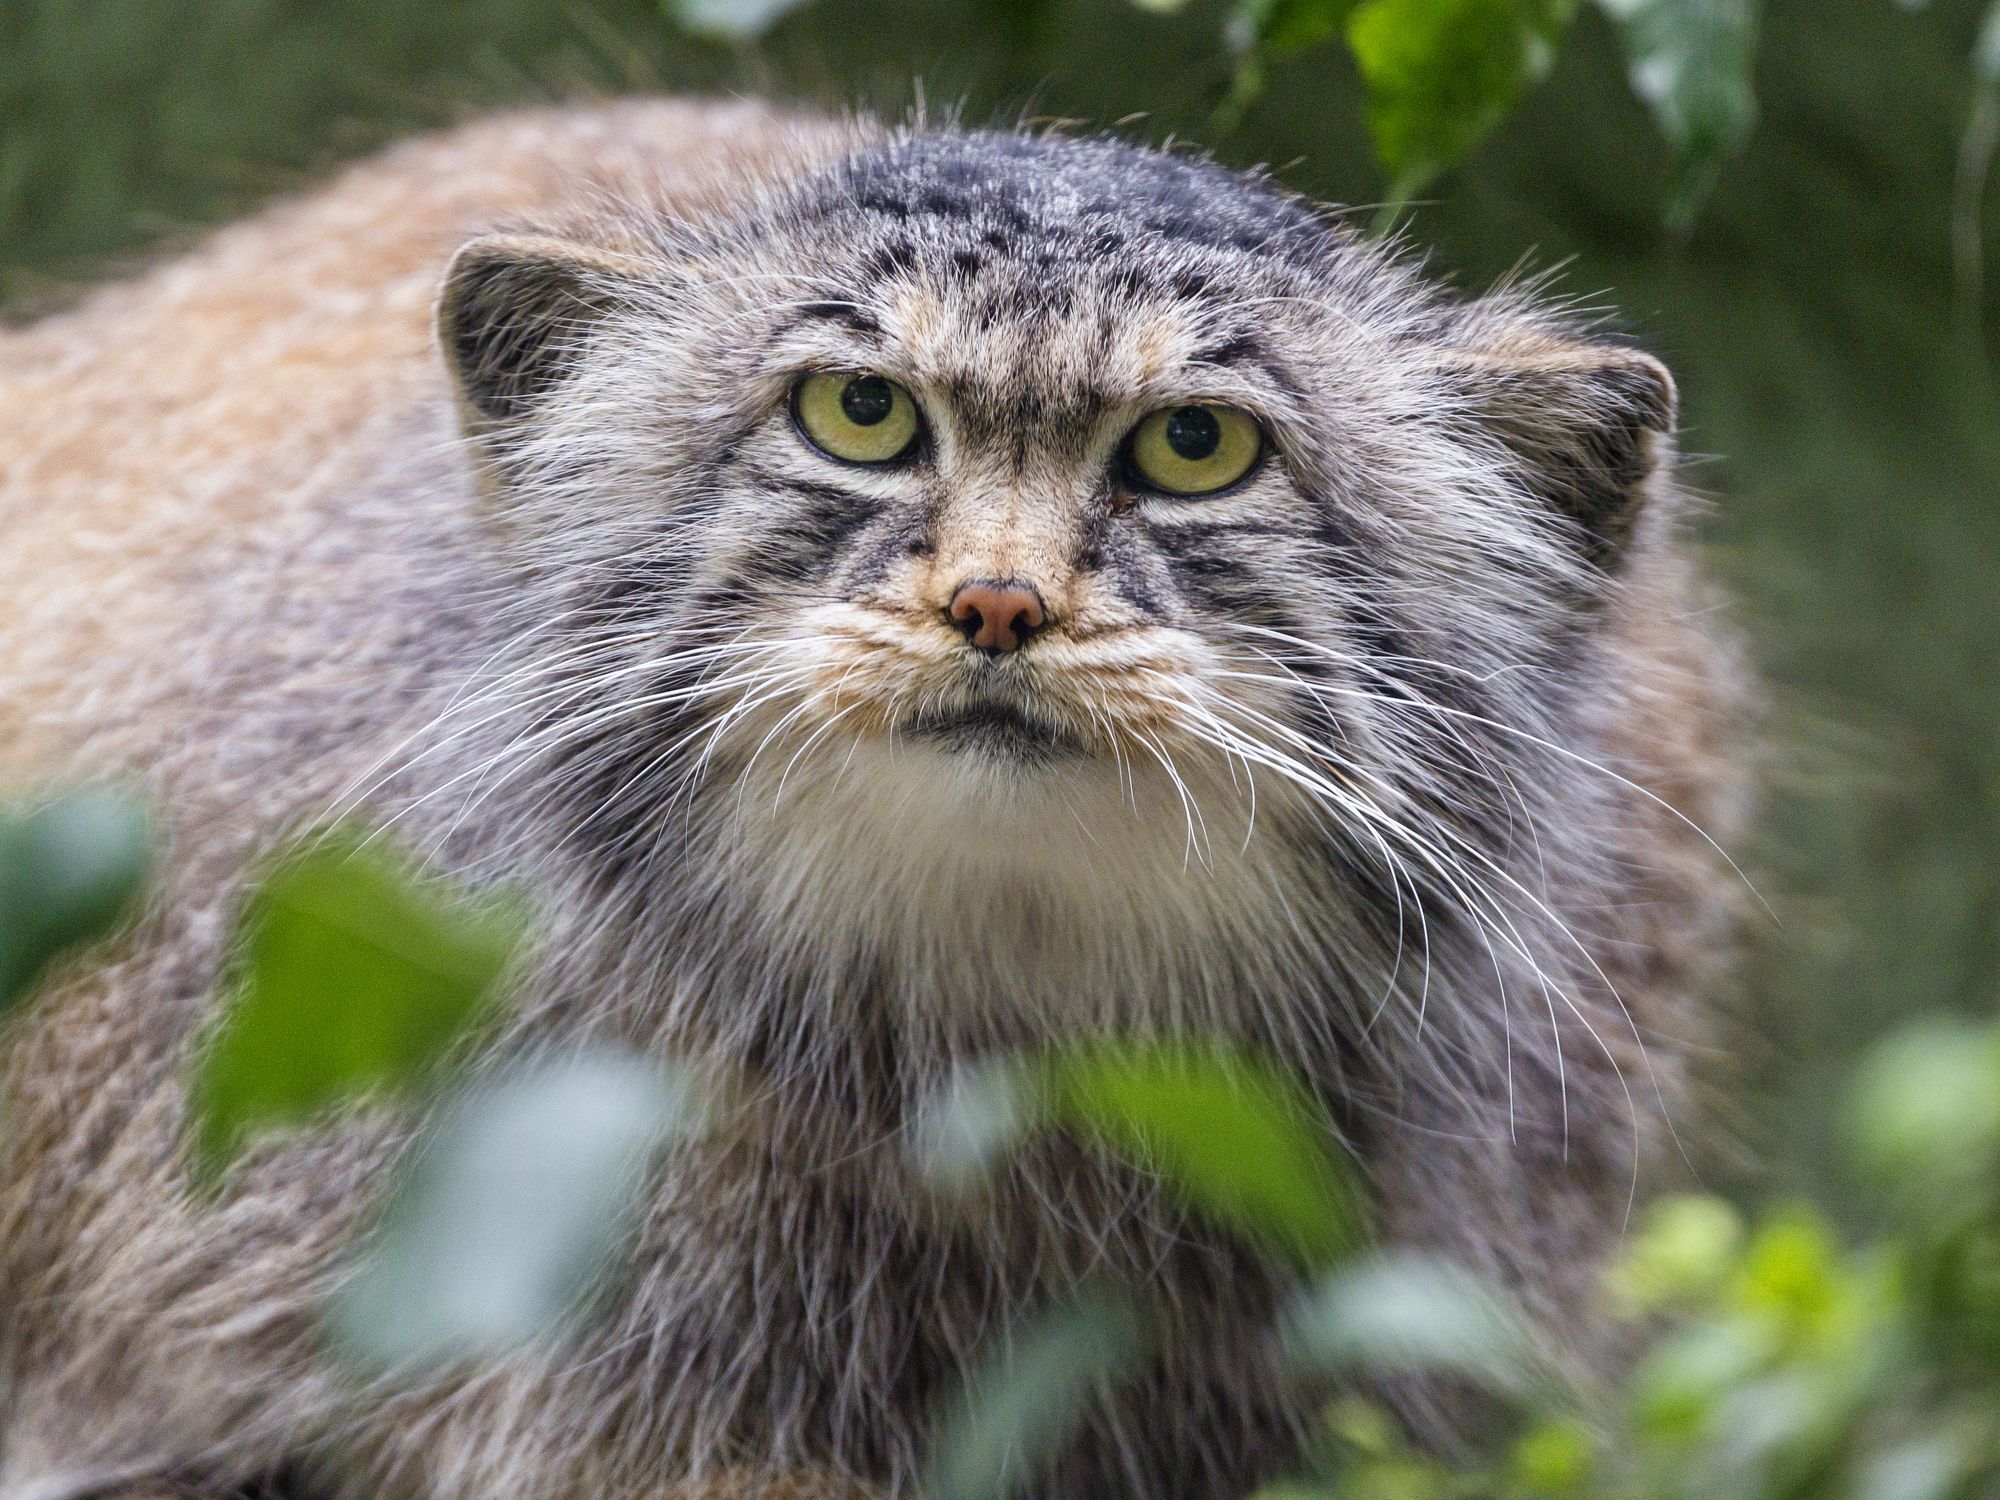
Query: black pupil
[[1193, 433], [867, 399]]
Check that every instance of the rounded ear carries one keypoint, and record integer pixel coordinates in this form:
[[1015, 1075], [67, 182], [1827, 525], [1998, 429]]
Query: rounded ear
[[514, 312], [1588, 423]]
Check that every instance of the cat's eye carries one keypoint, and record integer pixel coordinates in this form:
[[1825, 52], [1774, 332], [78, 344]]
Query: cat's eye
[[858, 419], [1194, 450]]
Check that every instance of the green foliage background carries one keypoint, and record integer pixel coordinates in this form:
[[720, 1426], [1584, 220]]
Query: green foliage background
[[1828, 359]]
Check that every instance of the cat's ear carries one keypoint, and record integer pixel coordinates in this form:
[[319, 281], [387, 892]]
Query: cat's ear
[[1589, 424], [517, 309]]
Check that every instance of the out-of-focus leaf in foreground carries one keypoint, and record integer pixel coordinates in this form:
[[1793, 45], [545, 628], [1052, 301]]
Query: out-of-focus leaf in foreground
[[731, 19], [1231, 1134], [988, 1111], [356, 974], [1932, 1467], [1409, 1314], [1442, 73], [1925, 1114], [1691, 63], [1686, 1247], [1021, 1405], [68, 870], [1976, 150], [1288, 25], [507, 1214], [1986, 50]]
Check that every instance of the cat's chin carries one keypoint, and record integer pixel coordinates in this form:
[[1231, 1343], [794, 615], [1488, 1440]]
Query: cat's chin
[[997, 731]]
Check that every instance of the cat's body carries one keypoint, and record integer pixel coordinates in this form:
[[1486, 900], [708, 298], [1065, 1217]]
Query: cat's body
[[249, 558]]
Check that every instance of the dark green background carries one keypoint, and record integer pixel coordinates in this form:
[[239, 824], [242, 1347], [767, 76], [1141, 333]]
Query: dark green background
[[1840, 391]]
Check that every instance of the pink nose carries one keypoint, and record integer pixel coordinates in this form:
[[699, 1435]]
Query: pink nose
[[996, 616]]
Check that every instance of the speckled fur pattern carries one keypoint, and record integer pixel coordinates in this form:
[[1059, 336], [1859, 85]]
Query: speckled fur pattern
[[1400, 759]]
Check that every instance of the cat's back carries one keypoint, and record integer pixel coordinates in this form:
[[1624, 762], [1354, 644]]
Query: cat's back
[[173, 438]]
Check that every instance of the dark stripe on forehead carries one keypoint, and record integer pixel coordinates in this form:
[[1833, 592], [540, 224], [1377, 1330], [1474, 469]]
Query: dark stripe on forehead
[[852, 316], [1017, 419], [1231, 350], [1247, 352], [1023, 228], [1077, 193]]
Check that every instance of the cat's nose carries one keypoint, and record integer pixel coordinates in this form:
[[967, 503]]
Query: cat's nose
[[996, 615]]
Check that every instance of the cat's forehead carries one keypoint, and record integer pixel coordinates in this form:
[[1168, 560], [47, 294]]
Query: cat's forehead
[[1003, 347], [1063, 199], [1081, 271], [986, 348]]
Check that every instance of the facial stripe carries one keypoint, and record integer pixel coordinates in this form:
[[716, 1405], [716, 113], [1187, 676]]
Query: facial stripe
[[811, 524], [904, 531], [1212, 567]]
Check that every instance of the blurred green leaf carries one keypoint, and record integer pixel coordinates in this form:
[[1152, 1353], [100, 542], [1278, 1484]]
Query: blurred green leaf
[[1232, 1135], [1691, 62], [1924, 1114], [1977, 148], [356, 975], [1931, 1467], [1364, 1427], [1022, 1405], [1553, 1458], [1370, 1457], [68, 870], [1411, 1314], [1443, 73], [1297, 24], [1784, 1434], [985, 1113], [1986, 50], [1792, 1272], [1950, 1291], [506, 1217], [732, 19], [1403, 1478], [1685, 1248], [1290, 25], [1677, 1388]]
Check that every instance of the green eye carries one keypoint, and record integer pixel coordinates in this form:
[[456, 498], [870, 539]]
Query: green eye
[[859, 419], [1195, 450]]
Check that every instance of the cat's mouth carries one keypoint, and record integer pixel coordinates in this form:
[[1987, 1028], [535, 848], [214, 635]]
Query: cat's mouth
[[998, 728]]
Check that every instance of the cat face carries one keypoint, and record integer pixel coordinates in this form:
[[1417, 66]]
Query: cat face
[[1041, 474]]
